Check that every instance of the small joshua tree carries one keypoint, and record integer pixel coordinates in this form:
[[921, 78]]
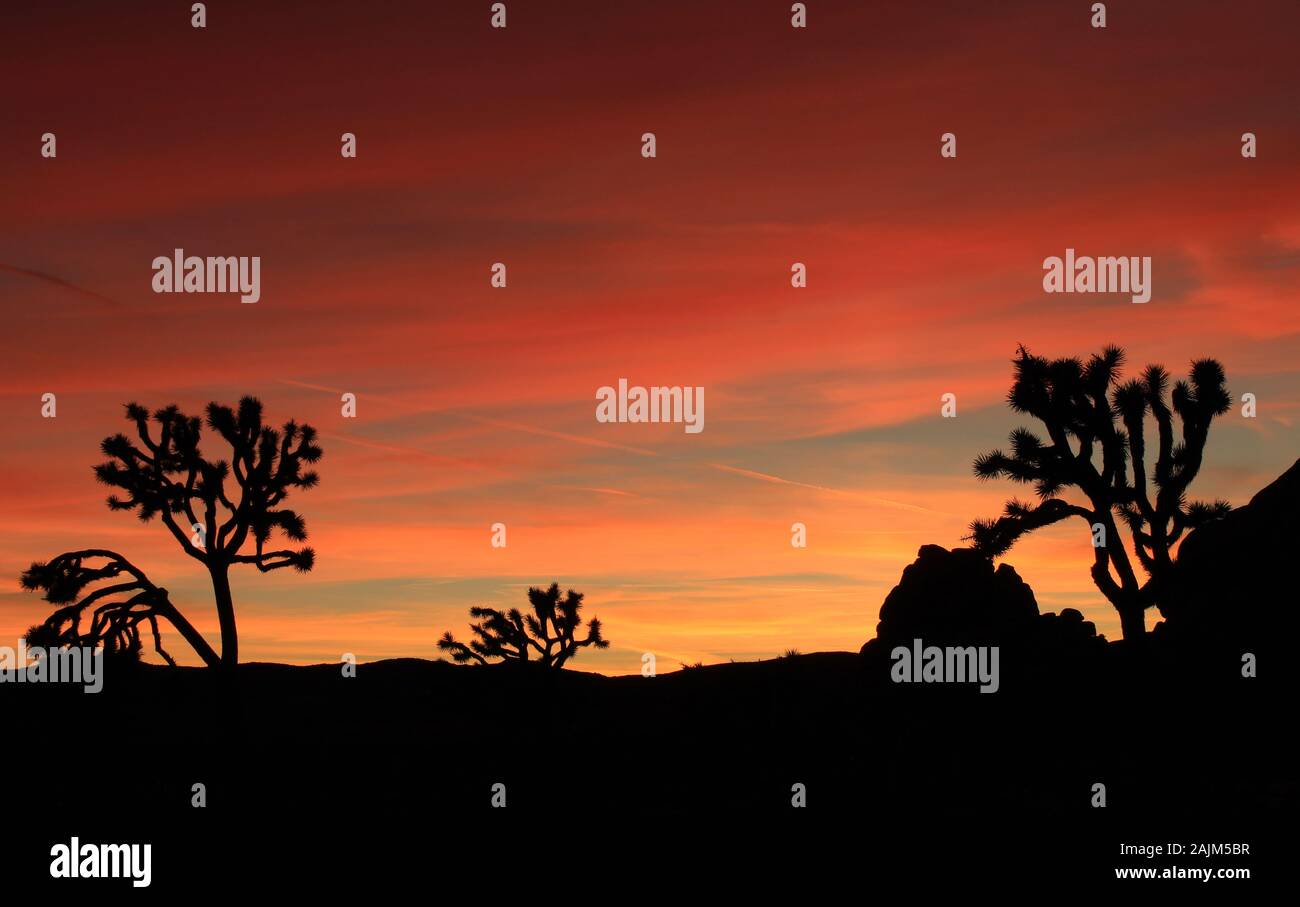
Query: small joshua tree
[[547, 633], [216, 509], [1095, 431], [121, 606]]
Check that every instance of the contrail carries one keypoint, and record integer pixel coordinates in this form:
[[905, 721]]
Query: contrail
[[765, 477], [495, 423], [734, 470], [58, 282]]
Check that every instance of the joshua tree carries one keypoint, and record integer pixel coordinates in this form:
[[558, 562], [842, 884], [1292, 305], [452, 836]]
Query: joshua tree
[[113, 624], [509, 635], [213, 508], [1096, 429]]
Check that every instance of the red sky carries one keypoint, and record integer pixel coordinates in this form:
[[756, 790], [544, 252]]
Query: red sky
[[476, 405]]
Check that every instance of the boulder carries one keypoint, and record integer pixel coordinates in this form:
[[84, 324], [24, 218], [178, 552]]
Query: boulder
[[1234, 580], [958, 598]]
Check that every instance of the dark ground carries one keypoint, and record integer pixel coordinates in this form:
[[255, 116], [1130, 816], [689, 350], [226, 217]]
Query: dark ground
[[692, 766]]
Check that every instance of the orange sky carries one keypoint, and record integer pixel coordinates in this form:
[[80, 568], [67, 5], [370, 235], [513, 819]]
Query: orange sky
[[476, 405]]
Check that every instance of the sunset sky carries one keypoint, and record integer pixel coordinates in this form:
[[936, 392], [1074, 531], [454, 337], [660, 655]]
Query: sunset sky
[[476, 405]]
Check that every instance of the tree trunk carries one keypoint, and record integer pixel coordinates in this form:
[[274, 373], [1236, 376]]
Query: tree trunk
[[193, 637], [225, 614], [1132, 621]]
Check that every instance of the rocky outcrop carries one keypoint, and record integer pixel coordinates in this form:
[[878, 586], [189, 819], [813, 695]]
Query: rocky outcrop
[[958, 598], [1235, 579]]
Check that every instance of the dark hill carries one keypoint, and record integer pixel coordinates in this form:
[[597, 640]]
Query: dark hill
[[1236, 578], [402, 759]]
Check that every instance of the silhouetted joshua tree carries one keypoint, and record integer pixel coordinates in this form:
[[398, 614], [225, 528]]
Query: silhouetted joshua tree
[[1095, 430], [215, 509], [548, 632], [114, 624]]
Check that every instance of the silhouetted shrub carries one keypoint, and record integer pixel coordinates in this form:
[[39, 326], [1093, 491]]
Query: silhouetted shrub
[[545, 637]]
